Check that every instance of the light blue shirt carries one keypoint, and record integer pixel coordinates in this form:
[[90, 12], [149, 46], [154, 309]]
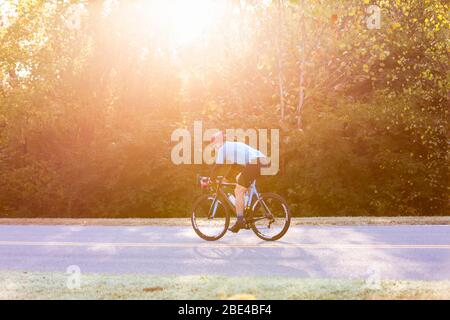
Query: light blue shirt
[[237, 153]]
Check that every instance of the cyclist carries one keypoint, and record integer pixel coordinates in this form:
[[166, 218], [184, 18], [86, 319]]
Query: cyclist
[[248, 159]]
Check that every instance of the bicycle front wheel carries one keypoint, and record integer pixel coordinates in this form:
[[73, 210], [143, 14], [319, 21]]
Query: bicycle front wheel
[[210, 219], [270, 217]]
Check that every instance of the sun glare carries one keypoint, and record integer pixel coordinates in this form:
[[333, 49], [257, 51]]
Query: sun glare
[[184, 21], [192, 19], [6, 13]]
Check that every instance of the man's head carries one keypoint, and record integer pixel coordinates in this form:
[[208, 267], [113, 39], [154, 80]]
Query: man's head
[[218, 139]]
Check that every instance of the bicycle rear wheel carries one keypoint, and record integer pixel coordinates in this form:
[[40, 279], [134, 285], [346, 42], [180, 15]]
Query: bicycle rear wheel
[[210, 219], [270, 217]]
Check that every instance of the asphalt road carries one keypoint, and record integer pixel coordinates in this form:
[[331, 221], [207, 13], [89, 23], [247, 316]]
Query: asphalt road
[[347, 252]]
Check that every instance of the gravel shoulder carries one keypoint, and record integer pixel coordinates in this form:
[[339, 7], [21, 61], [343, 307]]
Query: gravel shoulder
[[319, 221]]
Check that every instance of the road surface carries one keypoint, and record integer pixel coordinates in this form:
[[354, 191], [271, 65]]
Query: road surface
[[346, 252]]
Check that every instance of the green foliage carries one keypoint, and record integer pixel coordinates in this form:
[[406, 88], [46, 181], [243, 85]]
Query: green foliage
[[382, 157], [86, 113]]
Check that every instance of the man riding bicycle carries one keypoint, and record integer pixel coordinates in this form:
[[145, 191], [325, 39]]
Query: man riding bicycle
[[249, 160]]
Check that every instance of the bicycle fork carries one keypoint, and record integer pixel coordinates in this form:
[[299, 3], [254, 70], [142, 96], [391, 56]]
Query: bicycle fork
[[214, 204]]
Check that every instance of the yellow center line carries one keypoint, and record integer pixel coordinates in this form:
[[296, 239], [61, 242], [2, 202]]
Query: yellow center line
[[225, 245]]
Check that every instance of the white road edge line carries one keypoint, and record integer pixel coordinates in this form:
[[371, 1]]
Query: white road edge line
[[225, 245]]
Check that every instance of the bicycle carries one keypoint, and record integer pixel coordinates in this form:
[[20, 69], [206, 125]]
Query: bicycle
[[267, 214]]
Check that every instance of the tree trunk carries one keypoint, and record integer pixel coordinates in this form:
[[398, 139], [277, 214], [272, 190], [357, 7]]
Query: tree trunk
[[301, 94], [280, 62]]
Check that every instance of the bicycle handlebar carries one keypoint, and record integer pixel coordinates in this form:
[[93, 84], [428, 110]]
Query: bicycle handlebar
[[206, 181]]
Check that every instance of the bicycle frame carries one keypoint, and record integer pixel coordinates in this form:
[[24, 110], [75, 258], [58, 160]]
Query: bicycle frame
[[252, 193]]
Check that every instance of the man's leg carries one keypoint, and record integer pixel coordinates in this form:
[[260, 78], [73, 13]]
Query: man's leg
[[244, 180], [239, 192]]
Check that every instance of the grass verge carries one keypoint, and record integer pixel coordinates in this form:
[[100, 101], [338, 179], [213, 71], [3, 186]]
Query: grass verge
[[38, 285]]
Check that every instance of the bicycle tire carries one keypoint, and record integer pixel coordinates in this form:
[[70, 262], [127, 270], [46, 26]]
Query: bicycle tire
[[287, 218], [197, 230]]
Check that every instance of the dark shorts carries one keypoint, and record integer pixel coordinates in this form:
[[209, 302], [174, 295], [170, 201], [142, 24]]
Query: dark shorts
[[248, 174]]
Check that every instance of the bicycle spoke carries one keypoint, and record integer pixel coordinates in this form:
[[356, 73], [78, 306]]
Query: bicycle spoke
[[270, 218], [210, 218]]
